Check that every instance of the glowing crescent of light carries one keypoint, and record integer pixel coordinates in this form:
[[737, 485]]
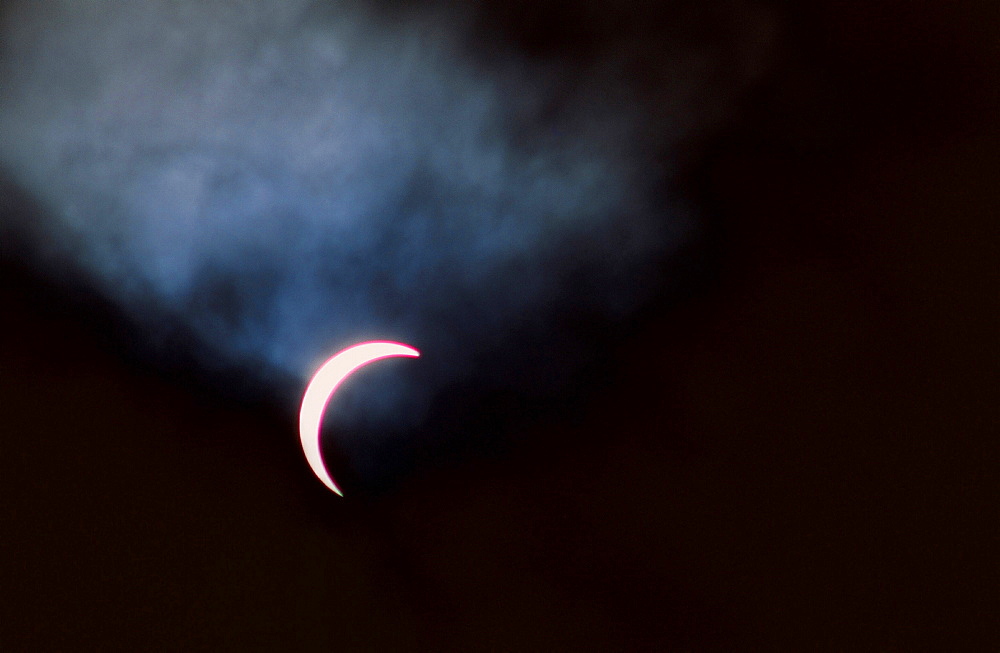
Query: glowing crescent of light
[[321, 388]]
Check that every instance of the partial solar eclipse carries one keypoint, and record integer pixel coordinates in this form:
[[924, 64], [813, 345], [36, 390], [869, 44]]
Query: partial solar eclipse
[[324, 383]]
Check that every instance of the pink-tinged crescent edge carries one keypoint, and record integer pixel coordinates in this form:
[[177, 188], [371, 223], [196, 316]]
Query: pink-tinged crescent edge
[[324, 384]]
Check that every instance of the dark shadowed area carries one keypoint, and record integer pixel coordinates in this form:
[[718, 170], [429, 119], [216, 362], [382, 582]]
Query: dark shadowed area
[[710, 352]]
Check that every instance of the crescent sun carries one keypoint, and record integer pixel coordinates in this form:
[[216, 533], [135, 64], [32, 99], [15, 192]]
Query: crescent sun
[[320, 390]]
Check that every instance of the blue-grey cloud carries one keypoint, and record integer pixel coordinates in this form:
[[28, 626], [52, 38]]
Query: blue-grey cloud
[[280, 179]]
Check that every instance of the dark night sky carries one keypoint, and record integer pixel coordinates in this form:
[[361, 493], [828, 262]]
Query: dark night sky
[[795, 451]]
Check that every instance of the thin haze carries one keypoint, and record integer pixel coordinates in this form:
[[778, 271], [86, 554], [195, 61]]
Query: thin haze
[[278, 180]]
